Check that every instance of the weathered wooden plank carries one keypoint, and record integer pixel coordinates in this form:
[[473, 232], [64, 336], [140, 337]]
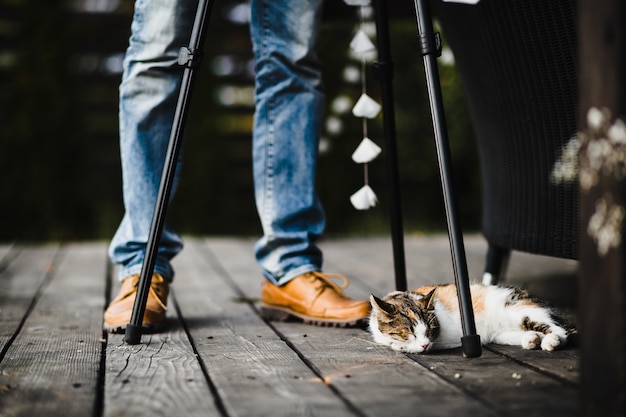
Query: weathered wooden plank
[[253, 370], [52, 367], [367, 262], [378, 380], [4, 250], [511, 388], [372, 379], [24, 270], [161, 376], [337, 372], [428, 260], [563, 364]]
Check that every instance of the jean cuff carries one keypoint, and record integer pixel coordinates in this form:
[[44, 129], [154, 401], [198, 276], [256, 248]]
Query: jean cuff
[[164, 269], [288, 276]]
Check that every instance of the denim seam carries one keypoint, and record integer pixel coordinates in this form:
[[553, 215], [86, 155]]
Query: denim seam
[[269, 143]]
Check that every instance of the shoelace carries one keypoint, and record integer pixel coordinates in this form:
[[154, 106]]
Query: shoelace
[[151, 291], [327, 282], [157, 298]]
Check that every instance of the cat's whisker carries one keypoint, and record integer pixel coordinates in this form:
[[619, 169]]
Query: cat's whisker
[[354, 338]]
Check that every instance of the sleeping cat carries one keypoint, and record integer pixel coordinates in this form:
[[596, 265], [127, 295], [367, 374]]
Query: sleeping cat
[[428, 318]]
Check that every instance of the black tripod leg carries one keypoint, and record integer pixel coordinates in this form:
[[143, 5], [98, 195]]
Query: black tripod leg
[[383, 71], [189, 58], [430, 45]]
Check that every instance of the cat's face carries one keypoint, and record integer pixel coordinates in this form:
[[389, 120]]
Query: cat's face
[[405, 321]]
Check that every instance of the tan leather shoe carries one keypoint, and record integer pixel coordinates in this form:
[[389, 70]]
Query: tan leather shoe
[[315, 299], [119, 312]]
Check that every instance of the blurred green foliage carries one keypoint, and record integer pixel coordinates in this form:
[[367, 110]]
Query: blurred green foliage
[[59, 163]]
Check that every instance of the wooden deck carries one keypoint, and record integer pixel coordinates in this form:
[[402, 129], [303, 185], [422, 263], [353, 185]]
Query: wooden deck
[[218, 358]]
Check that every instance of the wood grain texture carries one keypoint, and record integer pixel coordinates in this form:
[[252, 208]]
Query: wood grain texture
[[561, 364], [4, 250], [393, 379], [218, 358], [376, 379], [22, 275], [52, 366], [369, 378], [510, 388], [161, 376], [254, 371]]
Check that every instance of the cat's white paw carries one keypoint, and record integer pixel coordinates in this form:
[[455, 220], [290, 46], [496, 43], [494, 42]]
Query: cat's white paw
[[550, 342], [531, 340], [398, 346]]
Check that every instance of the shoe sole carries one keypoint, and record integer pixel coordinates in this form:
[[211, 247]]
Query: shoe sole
[[276, 313]]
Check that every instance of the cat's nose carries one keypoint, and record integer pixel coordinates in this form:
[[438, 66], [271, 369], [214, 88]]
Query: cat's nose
[[425, 345]]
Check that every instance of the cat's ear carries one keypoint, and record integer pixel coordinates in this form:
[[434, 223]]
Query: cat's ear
[[384, 306], [428, 299]]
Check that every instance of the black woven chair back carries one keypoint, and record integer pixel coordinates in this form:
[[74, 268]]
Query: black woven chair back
[[518, 63]]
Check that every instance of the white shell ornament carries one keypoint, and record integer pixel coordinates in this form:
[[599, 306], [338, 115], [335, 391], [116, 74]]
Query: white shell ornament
[[366, 151], [361, 43], [366, 107], [364, 198]]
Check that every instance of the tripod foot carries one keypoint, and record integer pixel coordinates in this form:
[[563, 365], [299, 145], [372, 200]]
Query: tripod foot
[[471, 346], [132, 335]]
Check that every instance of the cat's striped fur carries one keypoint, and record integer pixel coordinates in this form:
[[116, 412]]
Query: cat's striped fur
[[428, 318]]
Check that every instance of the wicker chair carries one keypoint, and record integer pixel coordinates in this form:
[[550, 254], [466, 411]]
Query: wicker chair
[[518, 63]]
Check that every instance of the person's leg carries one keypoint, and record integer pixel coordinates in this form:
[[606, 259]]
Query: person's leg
[[148, 94], [287, 126], [288, 119]]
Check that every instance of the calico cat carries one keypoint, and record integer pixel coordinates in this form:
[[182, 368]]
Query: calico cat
[[428, 318]]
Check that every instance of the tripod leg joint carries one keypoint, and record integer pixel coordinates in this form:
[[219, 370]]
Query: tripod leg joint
[[430, 43]]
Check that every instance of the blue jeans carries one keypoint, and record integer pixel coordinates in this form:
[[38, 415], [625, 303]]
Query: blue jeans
[[287, 124]]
